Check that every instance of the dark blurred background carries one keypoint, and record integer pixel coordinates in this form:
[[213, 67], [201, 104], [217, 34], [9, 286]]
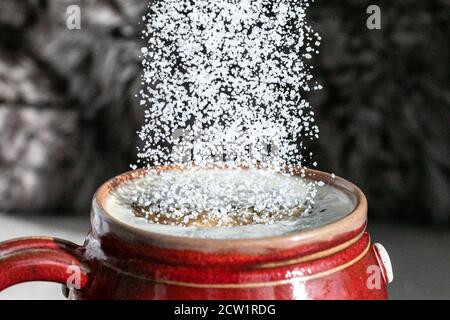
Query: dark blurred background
[[68, 113]]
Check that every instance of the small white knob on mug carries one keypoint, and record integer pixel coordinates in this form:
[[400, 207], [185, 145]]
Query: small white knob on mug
[[384, 261]]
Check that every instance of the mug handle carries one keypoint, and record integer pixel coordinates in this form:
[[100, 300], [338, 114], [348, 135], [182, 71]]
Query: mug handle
[[42, 259]]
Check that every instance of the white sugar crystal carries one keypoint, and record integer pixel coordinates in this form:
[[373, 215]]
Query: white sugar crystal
[[224, 81]]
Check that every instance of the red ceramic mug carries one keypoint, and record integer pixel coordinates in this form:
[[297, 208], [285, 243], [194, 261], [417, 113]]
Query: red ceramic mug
[[117, 261]]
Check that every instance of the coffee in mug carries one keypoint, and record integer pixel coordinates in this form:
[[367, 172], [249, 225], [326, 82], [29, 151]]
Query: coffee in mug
[[226, 203]]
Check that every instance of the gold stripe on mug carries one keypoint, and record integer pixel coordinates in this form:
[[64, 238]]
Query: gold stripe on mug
[[314, 256], [247, 285]]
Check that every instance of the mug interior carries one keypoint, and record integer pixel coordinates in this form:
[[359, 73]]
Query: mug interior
[[353, 222]]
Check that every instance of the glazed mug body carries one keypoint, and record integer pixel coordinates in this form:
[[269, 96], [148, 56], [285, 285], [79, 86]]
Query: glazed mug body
[[119, 261]]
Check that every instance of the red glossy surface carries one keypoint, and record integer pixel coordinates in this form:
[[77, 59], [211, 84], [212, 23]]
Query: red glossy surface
[[34, 259], [118, 262], [342, 275], [122, 277]]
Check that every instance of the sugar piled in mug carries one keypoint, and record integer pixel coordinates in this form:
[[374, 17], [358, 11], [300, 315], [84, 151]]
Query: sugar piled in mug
[[215, 197], [224, 203]]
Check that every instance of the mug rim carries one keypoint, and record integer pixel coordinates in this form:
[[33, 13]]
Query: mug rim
[[353, 223]]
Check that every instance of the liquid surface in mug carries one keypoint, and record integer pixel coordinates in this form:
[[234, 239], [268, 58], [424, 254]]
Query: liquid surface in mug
[[226, 203]]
